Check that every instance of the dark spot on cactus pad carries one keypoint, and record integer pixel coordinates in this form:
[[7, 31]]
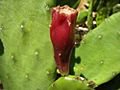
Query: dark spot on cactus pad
[[1, 47], [91, 84], [80, 78]]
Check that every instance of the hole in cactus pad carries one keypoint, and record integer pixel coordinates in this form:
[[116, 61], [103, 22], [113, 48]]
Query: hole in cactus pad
[[1, 47]]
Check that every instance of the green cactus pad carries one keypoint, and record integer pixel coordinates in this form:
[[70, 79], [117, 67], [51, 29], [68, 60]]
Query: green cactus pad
[[70, 83], [27, 62], [100, 52]]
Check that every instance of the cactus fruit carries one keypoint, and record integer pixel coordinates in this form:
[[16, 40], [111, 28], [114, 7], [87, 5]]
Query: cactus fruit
[[62, 35]]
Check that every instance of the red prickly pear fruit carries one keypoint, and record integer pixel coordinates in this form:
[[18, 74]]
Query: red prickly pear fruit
[[62, 35]]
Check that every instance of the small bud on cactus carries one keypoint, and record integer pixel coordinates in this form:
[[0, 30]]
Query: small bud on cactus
[[62, 35]]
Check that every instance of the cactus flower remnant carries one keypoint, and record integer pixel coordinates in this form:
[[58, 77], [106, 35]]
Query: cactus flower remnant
[[62, 35]]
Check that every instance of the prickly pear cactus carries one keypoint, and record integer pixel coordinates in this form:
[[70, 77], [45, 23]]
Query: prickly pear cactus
[[99, 52], [70, 83], [27, 60]]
